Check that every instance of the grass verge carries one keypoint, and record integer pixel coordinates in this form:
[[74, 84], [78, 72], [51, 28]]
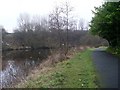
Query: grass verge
[[115, 51], [77, 72]]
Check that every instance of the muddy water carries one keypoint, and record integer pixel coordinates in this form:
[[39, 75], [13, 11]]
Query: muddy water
[[16, 65]]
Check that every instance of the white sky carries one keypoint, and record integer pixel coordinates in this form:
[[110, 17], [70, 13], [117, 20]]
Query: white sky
[[11, 9]]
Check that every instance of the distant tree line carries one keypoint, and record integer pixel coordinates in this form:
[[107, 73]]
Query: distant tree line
[[50, 38], [59, 31]]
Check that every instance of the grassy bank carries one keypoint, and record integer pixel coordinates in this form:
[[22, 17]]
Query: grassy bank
[[77, 72], [115, 51]]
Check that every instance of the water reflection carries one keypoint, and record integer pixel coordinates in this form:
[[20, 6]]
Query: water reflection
[[16, 65]]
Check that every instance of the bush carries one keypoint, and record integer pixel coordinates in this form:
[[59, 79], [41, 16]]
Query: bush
[[115, 50]]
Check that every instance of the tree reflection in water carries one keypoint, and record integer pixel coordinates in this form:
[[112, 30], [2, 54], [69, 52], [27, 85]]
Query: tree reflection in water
[[16, 65]]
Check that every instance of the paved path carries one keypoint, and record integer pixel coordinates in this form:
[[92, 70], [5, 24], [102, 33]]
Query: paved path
[[107, 68]]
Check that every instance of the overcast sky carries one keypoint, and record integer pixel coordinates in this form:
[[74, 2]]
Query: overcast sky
[[11, 9]]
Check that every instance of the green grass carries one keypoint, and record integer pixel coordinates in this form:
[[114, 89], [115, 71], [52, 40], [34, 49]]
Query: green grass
[[78, 72], [115, 51]]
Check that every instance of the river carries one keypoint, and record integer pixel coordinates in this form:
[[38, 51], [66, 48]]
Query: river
[[16, 65]]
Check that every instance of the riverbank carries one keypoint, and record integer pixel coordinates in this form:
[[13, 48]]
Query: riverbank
[[77, 72]]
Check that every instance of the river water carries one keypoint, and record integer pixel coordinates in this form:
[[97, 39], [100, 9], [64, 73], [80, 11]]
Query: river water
[[16, 65]]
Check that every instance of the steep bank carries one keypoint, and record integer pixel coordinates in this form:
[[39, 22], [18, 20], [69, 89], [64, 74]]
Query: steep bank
[[77, 72]]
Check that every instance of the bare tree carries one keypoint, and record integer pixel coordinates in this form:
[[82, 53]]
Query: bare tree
[[81, 24], [67, 9], [55, 22], [24, 22]]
